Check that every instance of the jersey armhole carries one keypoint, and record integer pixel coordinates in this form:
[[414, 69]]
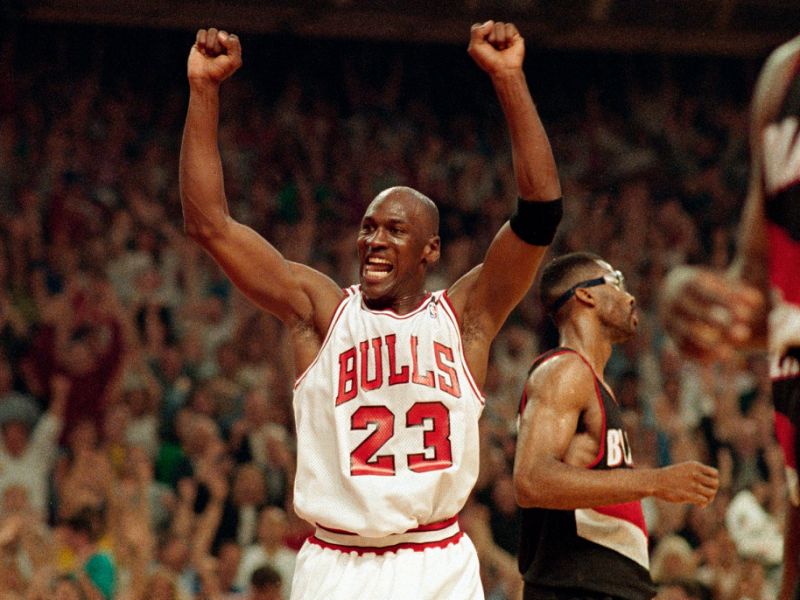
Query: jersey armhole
[[348, 295]]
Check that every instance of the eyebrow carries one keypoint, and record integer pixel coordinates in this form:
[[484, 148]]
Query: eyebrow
[[389, 221]]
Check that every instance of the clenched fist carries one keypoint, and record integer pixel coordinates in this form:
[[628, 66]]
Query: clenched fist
[[496, 47], [215, 56]]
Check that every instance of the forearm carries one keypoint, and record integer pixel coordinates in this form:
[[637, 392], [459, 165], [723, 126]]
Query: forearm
[[561, 486], [201, 179], [534, 165]]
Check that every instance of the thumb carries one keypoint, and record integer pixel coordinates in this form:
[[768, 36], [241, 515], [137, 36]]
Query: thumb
[[479, 31]]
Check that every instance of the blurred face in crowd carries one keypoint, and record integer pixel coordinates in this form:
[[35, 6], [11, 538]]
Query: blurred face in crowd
[[67, 589], [272, 526], [174, 554], [269, 592], [161, 587], [83, 437], [256, 403], [115, 425], [230, 553], [15, 437], [171, 363], [79, 358], [15, 499], [249, 486]]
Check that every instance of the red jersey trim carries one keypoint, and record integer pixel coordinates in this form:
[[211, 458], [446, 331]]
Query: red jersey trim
[[435, 526], [381, 550], [336, 315], [786, 433], [388, 312], [450, 311]]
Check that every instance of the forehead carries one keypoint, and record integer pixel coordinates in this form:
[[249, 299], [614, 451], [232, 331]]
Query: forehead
[[396, 206]]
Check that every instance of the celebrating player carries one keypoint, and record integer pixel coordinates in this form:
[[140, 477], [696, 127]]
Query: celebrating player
[[389, 374]]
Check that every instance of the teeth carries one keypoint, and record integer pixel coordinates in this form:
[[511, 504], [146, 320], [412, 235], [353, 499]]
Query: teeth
[[375, 276], [378, 261]]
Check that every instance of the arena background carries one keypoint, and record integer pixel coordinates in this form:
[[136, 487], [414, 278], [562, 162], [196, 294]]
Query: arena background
[[646, 105]]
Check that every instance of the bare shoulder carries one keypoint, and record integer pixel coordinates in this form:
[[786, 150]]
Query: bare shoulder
[[785, 53], [564, 378], [774, 80], [324, 293]]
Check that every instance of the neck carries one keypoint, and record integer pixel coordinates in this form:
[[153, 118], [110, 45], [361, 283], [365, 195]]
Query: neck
[[587, 338], [400, 304]]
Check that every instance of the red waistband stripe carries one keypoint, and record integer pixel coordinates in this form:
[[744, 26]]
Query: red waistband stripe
[[432, 535]]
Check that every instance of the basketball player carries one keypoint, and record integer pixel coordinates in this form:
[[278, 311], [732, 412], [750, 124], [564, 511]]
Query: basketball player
[[710, 315], [389, 374], [583, 534]]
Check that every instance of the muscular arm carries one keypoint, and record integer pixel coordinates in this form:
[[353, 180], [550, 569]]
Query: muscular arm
[[296, 295], [488, 294], [559, 392]]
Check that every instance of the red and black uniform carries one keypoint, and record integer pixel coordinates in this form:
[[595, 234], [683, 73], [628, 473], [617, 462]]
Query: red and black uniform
[[599, 552], [782, 211]]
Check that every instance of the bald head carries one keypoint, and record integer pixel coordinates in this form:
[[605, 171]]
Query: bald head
[[420, 208]]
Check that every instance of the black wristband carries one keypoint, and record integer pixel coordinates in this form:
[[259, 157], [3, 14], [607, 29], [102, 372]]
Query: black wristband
[[536, 222]]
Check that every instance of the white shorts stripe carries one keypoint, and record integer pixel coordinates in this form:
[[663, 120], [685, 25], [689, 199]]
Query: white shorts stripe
[[410, 538], [614, 533]]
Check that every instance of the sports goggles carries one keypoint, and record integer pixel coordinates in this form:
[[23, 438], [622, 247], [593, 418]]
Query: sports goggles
[[615, 278]]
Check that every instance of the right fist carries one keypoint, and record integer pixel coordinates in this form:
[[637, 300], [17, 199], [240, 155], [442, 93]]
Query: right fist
[[688, 482], [215, 56]]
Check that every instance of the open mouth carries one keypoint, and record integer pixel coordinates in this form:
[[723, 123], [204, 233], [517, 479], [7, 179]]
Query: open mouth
[[377, 269]]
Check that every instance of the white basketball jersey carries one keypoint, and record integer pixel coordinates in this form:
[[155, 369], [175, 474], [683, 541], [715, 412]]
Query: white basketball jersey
[[387, 420]]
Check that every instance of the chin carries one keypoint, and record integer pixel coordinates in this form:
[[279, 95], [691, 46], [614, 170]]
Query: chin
[[375, 297]]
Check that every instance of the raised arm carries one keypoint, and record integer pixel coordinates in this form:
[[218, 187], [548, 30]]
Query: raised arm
[[559, 392], [298, 295], [488, 294], [712, 314]]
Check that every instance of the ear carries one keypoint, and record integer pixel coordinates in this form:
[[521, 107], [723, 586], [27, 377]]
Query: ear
[[432, 251], [586, 296]]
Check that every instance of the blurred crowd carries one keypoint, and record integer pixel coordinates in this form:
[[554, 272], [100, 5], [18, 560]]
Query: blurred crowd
[[147, 444]]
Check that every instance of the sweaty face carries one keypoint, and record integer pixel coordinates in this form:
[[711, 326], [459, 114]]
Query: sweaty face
[[395, 247], [617, 307]]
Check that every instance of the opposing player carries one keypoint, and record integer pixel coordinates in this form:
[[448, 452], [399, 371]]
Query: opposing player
[[710, 315], [583, 532], [389, 375]]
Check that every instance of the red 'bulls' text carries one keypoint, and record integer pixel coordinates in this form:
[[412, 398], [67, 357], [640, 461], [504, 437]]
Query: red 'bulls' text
[[373, 363]]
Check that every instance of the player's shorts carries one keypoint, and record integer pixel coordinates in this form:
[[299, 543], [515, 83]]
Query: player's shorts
[[439, 564]]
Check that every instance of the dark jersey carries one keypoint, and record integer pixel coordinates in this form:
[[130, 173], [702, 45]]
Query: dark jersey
[[781, 169], [602, 549]]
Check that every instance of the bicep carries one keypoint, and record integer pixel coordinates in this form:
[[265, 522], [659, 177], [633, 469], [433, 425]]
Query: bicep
[[556, 401], [274, 284], [545, 433]]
